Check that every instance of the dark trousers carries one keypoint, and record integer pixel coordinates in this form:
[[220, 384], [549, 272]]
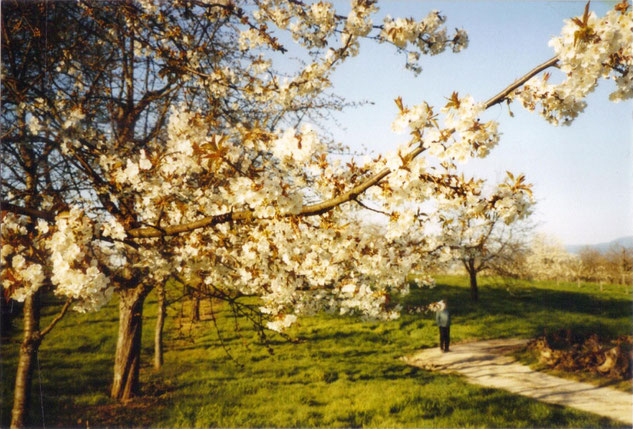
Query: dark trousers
[[445, 337]]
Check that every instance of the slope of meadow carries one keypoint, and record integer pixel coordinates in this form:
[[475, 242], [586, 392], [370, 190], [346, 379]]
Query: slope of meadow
[[339, 371]]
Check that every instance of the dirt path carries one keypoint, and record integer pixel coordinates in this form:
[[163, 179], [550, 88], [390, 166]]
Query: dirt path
[[485, 363]]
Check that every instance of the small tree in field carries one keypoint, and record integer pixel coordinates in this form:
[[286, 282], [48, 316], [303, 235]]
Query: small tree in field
[[479, 236], [159, 139], [593, 264], [614, 265], [548, 259], [620, 264], [575, 268]]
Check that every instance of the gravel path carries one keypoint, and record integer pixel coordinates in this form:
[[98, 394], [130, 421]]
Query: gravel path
[[485, 363]]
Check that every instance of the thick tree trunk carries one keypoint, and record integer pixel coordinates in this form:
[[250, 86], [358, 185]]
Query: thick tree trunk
[[160, 323], [128, 348], [26, 361], [474, 289]]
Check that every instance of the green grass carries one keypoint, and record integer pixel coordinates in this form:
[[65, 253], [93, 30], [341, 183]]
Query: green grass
[[342, 372]]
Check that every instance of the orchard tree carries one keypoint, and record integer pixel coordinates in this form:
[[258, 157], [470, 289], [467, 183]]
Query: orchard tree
[[614, 265], [620, 263], [478, 231], [33, 174], [575, 267], [88, 89], [548, 259], [593, 263], [178, 148]]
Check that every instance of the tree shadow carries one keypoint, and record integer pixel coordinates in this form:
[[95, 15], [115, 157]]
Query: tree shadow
[[536, 310]]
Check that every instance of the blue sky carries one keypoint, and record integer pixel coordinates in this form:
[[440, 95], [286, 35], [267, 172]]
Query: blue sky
[[582, 174]]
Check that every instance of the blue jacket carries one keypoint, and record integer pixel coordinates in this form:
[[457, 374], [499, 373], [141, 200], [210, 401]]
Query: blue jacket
[[443, 318]]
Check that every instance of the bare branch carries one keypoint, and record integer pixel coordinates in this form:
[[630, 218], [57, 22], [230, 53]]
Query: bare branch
[[56, 319], [517, 83], [365, 206]]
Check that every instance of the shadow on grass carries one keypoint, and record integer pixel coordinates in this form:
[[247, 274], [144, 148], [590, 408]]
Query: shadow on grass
[[501, 313], [491, 407]]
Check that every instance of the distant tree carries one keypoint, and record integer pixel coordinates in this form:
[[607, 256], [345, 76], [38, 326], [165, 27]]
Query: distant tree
[[614, 265], [480, 237], [548, 259], [619, 261], [594, 264], [512, 263], [575, 268]]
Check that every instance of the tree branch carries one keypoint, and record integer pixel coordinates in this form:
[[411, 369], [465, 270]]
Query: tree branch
[[56, 319], [309, 210], [517, 83], [365, 206], [38, 214]]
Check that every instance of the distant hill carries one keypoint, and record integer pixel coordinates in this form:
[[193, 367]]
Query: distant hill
[[602, 247]]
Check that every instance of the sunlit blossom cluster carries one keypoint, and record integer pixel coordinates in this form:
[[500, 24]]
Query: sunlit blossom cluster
[[75, 268], [65, 248], [589, 48], [428, 36], [23, 274], [459, 134]]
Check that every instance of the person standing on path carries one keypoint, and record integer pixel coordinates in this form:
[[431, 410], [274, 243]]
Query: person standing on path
[[443, 320]]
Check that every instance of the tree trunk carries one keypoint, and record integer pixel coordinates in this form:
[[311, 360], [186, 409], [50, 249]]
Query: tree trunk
[[474, 290], [160, 323], [128, 347], [195, 308], [26, 361]]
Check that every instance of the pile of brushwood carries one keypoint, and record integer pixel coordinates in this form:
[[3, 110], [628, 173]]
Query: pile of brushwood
[[569, 351]]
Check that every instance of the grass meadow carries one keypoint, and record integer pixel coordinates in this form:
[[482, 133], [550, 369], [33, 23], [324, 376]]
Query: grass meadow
[[339, 371]]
